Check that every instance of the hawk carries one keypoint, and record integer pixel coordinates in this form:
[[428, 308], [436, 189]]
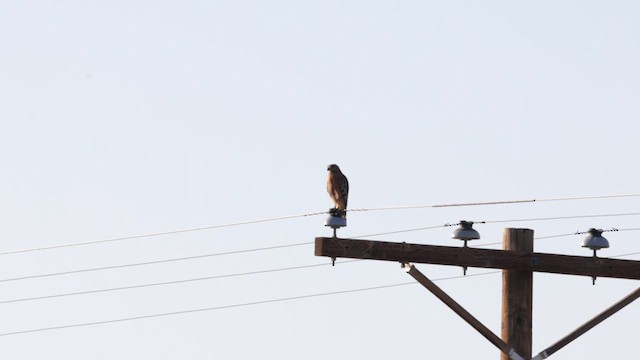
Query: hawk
[[338, 188]]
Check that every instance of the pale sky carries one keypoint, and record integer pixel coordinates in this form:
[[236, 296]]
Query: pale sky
[[121, 118]]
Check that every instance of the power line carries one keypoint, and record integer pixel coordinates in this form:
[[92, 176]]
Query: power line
[[153, 262], [287, 217], [625, 255], [220, 307], [553, 236], [399, 231], [502, 202], [562, 217], [182, 312], [213, 277], [186, 258], [171, 232], [174, 282], [508, 221]]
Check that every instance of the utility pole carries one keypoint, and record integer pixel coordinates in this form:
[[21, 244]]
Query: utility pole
[[517, 296], [518, 262]]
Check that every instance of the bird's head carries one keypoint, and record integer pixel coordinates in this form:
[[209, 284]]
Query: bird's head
[[333, 168]]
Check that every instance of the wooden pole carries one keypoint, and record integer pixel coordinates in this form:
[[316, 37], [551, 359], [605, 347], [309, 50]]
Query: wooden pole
[[518, 262], [517, 296]]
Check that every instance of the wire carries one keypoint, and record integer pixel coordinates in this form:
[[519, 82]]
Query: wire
[[227, 306], [506, 221], [536, 238], [172, 232], [398, 231], [182, 281], [69, 272], [152, 262], [589, 197], [624, 255], [229, 275], [200, 310], [174, 282], [112, 267], [553, 236], [182, 312], [503, 202], [279, 218], [510, 220], [411, 207], [562, 217], [301, 244], [629, 229]]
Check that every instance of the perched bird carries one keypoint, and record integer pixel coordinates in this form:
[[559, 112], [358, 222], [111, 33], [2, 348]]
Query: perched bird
[[338, 188]]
